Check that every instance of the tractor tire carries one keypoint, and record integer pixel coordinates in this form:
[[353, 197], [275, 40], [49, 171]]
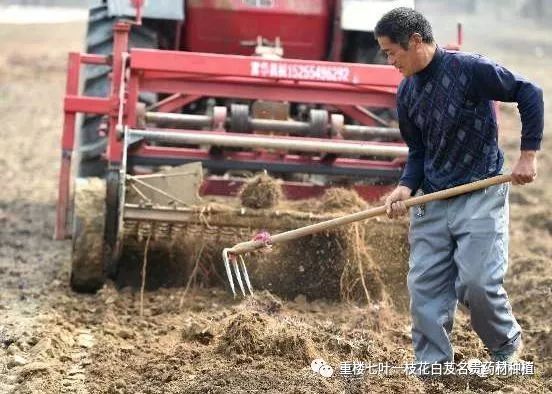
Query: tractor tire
[[99, 41], [87, 257]]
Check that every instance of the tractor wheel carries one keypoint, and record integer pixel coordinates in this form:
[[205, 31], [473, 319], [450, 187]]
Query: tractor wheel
[[87, 258], [99, 41]]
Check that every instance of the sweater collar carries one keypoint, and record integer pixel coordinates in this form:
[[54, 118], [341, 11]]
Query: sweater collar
[[432, 67]]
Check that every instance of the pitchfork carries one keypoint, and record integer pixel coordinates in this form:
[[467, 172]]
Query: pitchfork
[[264, 240]]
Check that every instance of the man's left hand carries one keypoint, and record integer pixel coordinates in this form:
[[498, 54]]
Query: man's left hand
[[525, 170]]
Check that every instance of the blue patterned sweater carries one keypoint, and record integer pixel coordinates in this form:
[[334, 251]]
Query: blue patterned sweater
[[447, 119]]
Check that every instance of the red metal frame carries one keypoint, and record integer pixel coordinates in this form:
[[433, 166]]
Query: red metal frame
[[73, 104], [120, 46], [189, 65], [153, 152], [189, 76]]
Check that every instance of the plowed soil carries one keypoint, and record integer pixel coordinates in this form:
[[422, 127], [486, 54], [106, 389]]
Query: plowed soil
[[53, 340]]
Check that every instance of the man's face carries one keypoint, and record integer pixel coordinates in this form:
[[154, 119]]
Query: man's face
[[402, 59]]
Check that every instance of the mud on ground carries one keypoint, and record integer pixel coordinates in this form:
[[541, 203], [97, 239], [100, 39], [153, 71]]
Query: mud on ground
[[53, 340]]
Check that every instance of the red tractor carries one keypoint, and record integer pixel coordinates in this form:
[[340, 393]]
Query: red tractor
[[329, 30], [234, 87]]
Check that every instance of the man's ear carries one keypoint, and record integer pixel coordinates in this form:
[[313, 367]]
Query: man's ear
[[416, 39]]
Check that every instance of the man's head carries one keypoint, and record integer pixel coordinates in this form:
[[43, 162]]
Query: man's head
[[405, 36]]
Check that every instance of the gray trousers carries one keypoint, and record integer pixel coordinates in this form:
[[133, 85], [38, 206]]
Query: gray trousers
[[459, 253]]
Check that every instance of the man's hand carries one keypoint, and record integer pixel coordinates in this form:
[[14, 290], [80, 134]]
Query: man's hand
[[525, 170], [394, 202]]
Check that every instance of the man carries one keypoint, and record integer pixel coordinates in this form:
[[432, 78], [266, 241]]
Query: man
[[459, 246]]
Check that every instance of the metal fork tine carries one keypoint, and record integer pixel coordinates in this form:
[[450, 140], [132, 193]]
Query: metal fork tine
[[238, 275], [226, 258], [245, 275]]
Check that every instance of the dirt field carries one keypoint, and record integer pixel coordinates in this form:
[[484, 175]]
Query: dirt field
[[55, 341]]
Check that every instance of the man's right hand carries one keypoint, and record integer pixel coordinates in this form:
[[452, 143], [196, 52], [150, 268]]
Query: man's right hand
[[394, 204]]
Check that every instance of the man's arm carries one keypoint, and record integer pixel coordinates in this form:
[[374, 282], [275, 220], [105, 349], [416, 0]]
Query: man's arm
[[494, 82], [413, 173]]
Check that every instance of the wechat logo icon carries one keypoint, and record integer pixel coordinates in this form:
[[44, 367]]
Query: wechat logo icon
[[318, 365]]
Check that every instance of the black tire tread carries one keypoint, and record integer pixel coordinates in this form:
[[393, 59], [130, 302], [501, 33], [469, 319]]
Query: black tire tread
[[96, 83]]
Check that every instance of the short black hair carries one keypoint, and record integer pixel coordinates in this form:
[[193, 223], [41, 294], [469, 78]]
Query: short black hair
[[400, 23]]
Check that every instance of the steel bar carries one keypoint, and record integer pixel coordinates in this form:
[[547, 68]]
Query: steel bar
[[183, 120], [284, 126], [133, 186], [371, 132], [186, 120], [91, 105], [194, 137], [372, 115]]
